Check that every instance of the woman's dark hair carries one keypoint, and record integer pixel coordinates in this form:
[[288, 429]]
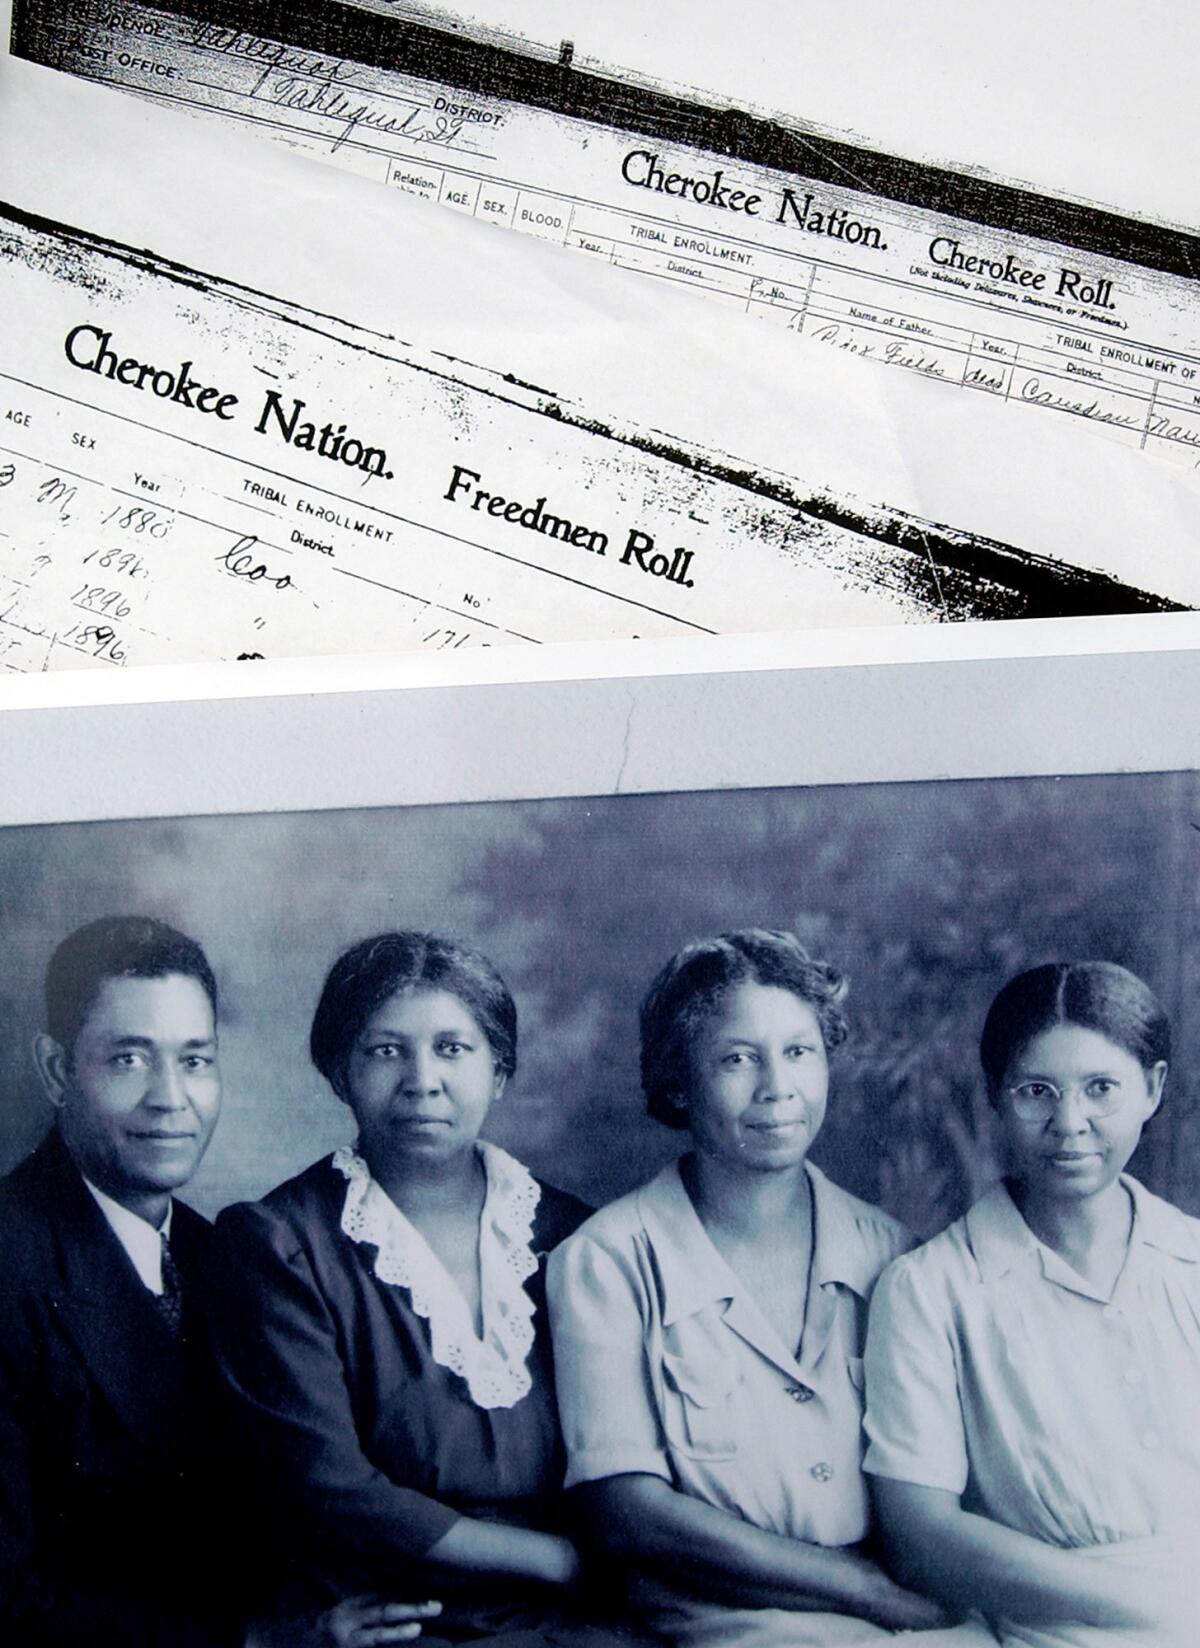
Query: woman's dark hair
[[692, 985], [116, 947], [1097, 995], [365, 976]]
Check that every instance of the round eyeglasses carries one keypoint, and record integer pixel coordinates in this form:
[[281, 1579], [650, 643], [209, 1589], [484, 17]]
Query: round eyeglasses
[[1037, 1101]]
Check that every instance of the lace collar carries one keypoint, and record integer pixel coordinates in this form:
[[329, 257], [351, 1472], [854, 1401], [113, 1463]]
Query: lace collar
[[494, 1367]]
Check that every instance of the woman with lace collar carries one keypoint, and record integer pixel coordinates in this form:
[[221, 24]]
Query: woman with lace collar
[[384, 1338]]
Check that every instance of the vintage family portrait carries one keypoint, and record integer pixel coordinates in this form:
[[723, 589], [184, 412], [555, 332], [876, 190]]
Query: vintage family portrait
[[738, 1215]]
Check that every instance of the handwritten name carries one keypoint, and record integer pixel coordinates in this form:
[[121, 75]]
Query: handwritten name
[[1164, 427], [898, 354], [1033, 392], [833, 336], [305, 97], [240, 561], [892, 352], [270, 53]]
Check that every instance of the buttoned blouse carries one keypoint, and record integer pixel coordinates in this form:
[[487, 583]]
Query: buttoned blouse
[[996, 1371], [665, 1364]]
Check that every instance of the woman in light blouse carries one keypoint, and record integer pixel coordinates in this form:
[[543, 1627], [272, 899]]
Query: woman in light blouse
[[708, 1328], [1033, 1374], [383, 1339]]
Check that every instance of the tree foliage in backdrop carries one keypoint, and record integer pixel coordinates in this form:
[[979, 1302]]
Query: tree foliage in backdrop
[[928, 896]]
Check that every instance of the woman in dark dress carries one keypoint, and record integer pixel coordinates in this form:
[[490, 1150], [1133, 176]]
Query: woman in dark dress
[[385, 1341]]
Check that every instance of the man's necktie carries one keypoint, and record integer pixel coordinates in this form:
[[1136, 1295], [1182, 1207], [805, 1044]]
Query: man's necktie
[[169, 1302]]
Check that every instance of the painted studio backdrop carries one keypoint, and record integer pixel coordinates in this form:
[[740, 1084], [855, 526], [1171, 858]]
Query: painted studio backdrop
[[927, 895]]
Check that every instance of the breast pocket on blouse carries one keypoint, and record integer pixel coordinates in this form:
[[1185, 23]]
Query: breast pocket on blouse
[[699, 1407]]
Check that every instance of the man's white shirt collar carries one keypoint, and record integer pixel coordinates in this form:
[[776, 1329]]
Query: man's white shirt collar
[[141, 1240]]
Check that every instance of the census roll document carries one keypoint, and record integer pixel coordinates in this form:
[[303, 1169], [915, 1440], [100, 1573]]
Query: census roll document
[[987, 287], [276, 411]]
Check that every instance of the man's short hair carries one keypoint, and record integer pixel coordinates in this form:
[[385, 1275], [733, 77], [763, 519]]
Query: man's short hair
[[116, 947]]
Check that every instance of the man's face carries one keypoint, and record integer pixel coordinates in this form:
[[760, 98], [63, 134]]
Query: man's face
[[139, 1093]]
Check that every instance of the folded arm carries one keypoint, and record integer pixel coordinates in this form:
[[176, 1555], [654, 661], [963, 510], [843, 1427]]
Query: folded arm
[[969, 1561], [620, 1473], [282, 1364], [920, 1462], [645, 1522]]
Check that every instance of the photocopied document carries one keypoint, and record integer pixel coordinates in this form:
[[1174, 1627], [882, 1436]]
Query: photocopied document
[[1032, 300], [276, 411], [1011, 93]]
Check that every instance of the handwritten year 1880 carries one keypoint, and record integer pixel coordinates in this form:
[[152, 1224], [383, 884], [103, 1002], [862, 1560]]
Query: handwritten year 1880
[[138, 518]]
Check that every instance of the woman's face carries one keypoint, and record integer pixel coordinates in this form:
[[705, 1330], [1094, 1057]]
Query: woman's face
[[759, 1079], [420, 1078], [1075, 1152]]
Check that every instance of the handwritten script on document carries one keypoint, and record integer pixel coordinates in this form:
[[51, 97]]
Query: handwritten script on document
[[1023, 298], [190, 469]]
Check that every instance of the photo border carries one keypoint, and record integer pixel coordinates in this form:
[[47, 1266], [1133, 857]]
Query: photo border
[[961, 701]]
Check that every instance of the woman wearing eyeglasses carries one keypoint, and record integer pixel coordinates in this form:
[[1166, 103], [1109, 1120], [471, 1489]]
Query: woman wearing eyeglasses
[[1033, 1373]]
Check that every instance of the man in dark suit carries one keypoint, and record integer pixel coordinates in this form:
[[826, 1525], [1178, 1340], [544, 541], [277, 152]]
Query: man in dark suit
[[119, 1508], [112, 1534]]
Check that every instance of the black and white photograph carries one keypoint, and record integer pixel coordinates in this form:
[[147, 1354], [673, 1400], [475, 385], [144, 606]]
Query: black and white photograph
[[599, 824], [756, 1214]]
